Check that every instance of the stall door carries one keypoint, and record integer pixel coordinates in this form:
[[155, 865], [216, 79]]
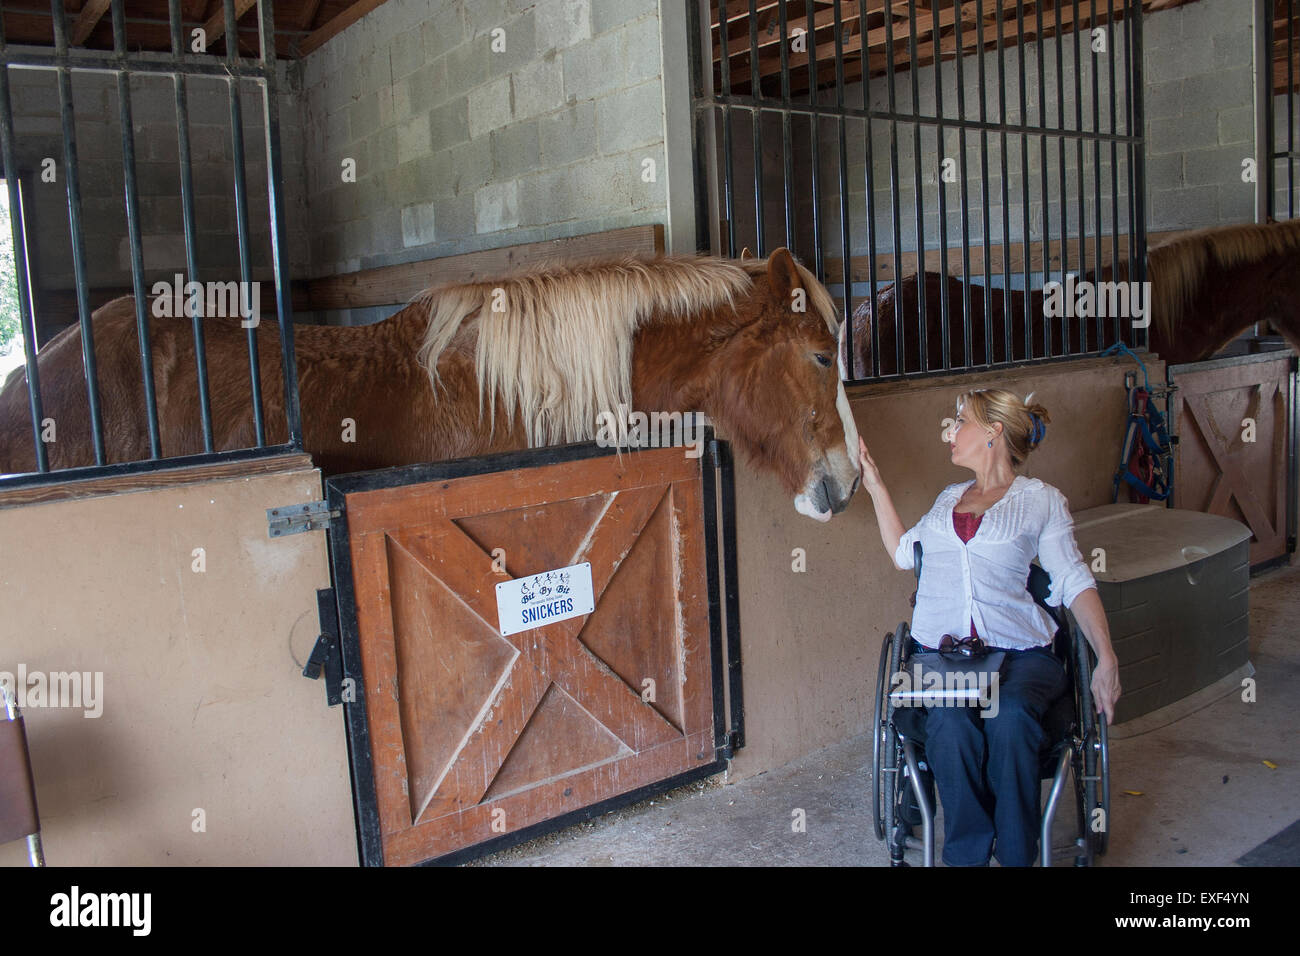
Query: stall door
[[1233, 419], [462, 736]]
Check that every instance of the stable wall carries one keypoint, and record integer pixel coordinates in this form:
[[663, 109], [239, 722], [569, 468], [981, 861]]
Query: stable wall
[[204, 702], [811, 641]]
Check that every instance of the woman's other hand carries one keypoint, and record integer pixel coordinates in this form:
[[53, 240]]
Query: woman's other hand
[[870, 473], [1105, 687]]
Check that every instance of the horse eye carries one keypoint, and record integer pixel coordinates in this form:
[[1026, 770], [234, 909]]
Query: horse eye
[[823, 360]]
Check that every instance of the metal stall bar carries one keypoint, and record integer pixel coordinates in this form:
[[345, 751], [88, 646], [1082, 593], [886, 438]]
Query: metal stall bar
[[815, 130], [18, 229], [275, 180], [963, 192], [942, 188], [845, 247], [1139, 161], [787, 147], [1065, 203], [756, 91], [1096, 171], [1006, 196], [1078, 170], [134, 237], [1042, 169], [729, 179], [1290, 103], [894, 181], [984, 188], [871, 209], [235, 89], [1024, 182], [194, 306], [71, 176], [1114, 162], [1128, 129], [922, 348]]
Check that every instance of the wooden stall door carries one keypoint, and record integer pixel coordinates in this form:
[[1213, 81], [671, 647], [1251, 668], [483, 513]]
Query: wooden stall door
[[1232, 418], [473, 736]]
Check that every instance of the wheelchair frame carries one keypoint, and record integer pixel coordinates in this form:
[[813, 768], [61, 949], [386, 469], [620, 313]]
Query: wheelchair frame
[[1084, 749]]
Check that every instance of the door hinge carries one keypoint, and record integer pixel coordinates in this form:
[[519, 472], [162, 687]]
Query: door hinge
[[293, 519], [327, 654]]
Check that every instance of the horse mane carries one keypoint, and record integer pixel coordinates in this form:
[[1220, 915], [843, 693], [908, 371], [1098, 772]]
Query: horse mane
[[1179, 268], [555, 342]]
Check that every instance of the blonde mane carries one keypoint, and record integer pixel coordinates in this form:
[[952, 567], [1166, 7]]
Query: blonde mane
[[555, 342], [1178, 268]]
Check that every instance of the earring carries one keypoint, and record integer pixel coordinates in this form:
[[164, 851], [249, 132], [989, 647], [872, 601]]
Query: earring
[[990, 442]]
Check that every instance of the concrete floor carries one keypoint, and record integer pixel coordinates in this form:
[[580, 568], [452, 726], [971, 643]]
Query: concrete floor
[[1206, 795]]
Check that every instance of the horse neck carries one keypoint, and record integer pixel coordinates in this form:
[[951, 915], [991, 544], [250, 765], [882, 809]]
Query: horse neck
[[669, 365]]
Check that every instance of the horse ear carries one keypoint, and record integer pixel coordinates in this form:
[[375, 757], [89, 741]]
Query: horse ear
[[745, 254], [782, 273]]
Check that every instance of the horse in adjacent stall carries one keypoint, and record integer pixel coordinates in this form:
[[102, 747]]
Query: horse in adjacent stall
[[1206, 287], [752, 344]]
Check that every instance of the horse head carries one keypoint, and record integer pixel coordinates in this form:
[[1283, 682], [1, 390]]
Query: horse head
[[781, 399]]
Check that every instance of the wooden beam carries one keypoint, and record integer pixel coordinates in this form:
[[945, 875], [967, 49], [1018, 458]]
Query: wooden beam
[[215, 28], [392, 285], [318, 38], [88, 19], [309, 10]]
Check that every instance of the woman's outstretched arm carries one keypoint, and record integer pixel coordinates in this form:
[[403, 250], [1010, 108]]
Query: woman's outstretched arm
[[891, 527]]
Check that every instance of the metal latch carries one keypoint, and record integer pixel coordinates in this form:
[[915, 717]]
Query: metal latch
[[293, 519], [327, 657]]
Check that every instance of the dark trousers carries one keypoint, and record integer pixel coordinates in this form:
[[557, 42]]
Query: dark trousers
[[986, 769]]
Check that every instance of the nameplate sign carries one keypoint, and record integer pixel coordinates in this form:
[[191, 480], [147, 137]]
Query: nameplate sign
[[544, 598]]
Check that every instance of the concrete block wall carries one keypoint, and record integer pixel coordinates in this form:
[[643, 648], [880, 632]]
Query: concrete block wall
[[37, 127], [483, 124]]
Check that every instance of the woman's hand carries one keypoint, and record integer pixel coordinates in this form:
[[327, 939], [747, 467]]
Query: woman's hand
[[1105, 687], [870, 473]]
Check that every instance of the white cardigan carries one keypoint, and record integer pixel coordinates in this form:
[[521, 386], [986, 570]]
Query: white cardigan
[[985, 578]]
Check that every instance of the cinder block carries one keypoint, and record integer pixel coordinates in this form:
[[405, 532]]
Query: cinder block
[[443, 30], [1233, 49], [562, 23], [413, 138], [538, 88], [608, 14], [363, 117], [1185, 208], [490, 106], [418, 224], [469, 165], [569, 134], [468, 64], [406, 54], [515, 150], [1237, 127], [483, 16], [496, 206], [1163, 172], [630, 118], [456, 216], [1216, 91], [546, 197], [594, 68], [641, 49], [1180, 133], [449, 123], [1219, 165], [422, 90]]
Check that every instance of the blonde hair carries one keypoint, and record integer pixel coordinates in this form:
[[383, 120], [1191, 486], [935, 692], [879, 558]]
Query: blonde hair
[[989, 406]]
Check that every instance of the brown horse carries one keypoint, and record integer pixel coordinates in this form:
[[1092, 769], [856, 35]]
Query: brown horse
[[751, 344], [1206, 287]]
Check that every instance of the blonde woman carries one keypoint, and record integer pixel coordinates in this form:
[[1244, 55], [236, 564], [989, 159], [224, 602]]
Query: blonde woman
[[977, 542]]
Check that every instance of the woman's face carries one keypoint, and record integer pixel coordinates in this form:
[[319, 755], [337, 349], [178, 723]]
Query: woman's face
[[965, 438]]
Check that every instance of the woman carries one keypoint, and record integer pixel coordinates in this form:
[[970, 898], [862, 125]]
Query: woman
[[977, 542]]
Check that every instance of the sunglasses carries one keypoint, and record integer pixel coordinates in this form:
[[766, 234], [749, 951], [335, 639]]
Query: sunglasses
[[966, 646]]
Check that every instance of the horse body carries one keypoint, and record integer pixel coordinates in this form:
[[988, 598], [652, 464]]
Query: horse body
[[715, 336]]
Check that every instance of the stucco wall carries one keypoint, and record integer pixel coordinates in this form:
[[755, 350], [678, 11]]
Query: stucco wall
[[204, 704]]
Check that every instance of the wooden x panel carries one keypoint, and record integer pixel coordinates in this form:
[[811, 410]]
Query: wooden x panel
[[474, 734]]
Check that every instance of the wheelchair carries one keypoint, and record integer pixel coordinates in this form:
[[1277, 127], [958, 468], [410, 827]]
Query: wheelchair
[[1076, 740]]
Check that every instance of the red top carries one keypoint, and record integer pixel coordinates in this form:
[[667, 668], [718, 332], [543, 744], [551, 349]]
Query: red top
[[966, 525]]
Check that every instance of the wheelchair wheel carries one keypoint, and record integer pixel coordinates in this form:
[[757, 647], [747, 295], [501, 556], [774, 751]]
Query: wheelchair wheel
[[1096, 759], [880, 738]]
